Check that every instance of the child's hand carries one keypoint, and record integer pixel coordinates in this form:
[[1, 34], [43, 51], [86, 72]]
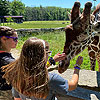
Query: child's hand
[[79, 60], [59, 57]]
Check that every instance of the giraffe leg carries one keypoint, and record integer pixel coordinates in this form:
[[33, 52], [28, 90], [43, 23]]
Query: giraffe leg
[[92, 58], [75, 11], [94, 52], [98, 60], [93, 63]]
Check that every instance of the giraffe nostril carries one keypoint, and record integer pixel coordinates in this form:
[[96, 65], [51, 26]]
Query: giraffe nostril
[[99, 22]]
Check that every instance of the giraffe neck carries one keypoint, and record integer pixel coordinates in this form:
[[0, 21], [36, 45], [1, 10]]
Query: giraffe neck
[[94, 46], [82, 41], [77, 47]]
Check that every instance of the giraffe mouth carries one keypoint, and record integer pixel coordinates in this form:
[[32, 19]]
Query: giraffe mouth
[[63, 65]]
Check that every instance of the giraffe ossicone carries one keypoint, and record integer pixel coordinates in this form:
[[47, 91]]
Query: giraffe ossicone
[[81, 33]]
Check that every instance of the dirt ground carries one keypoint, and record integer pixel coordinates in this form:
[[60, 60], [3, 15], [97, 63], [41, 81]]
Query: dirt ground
[[15, 53]]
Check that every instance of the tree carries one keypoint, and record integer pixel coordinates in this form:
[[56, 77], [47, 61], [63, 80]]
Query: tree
[[28, 13], [46, 13], [5, 8], [94, 4], [18, 8]]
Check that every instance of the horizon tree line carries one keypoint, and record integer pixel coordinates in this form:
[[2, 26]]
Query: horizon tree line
[[17, 8]]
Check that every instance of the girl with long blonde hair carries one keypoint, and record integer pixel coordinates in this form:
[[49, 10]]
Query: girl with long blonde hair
[[29, 75]]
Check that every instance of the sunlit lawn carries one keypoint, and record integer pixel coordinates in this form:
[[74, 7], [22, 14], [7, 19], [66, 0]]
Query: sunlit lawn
[[37, 24], [55, 39]]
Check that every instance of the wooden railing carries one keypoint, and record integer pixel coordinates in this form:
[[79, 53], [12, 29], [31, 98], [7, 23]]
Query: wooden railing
[[36, 30]]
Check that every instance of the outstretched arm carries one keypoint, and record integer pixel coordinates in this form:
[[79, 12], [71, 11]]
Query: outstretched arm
[[56, 58], [74, 81]]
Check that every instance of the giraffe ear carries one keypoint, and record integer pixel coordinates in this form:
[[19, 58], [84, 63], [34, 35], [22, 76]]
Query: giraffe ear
[[69, 15], [96, 12]]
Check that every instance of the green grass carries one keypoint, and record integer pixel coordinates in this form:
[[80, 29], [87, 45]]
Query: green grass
[[37, 24], [56, 41]]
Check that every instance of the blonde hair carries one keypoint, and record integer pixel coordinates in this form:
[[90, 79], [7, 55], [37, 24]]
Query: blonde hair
[[29, 75]]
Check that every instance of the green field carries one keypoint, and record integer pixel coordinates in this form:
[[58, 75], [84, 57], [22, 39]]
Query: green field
[[37, 24], [55, 39]]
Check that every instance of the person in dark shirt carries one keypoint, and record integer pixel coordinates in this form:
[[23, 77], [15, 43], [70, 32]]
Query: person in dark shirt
[[8, 40]]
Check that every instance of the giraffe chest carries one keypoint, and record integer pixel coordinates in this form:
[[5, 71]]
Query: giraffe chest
[[75, 48], [93, 43]]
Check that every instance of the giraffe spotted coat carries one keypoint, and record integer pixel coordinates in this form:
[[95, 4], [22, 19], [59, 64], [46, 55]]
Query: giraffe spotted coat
[[79, 35]]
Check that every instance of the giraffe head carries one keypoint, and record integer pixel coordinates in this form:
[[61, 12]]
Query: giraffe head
[[79, 33], [76, 32]]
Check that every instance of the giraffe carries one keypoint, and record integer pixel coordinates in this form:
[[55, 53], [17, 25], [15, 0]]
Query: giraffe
[[94, 47], [79, 34]]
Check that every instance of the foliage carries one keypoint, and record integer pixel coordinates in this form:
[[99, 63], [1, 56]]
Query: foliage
[[9, 19], [5, 8], [46, 13], [14, 8], [56, 41], [17, 7]]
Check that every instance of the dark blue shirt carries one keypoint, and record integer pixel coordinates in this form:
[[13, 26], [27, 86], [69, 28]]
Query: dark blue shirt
[[5, 58]]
